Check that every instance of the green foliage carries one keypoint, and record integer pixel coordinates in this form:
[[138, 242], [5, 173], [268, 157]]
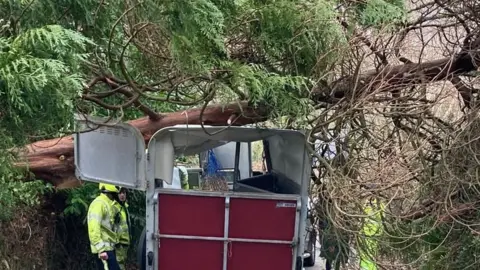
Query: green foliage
[[86, 16], [79, 199], [283, 95], [294, 34], [15, 192], [40, 77], [380, 13], [129, 113], [287, 44], [197, 33]]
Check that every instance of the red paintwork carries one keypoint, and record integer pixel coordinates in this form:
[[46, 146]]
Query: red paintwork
[[191, 215], [180, 254], [261, 219], [204, 216], [259, 256]]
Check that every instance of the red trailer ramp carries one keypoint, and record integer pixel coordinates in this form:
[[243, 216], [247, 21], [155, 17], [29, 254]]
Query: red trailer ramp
[[235, 231]]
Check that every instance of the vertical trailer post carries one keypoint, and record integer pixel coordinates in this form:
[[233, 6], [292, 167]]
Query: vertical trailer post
[[160, 168]]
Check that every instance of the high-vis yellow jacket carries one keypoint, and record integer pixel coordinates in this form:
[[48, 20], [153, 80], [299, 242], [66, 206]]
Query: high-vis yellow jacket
[[123, 228], [123, 235], [102, 216]]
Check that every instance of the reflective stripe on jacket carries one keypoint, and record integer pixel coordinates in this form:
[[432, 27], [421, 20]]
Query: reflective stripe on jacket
[[101, 218], [123, 228]]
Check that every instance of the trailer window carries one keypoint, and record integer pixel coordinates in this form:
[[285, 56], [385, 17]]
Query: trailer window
[[258, 158]]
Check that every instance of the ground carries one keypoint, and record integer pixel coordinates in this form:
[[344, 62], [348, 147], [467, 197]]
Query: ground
[[318, 266]]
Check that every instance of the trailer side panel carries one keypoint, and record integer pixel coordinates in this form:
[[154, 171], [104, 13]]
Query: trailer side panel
[[262, 219]]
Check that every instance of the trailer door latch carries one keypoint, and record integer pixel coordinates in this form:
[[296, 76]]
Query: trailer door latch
[[294, 243], [150, 258]]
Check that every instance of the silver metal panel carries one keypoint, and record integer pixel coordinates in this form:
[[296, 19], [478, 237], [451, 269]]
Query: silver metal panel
[[213, 238], [151, 213], [288, 156], [192, 139], [305, 184], [247, 195], [226, 227], [113, 154], [297, 233], [162, 155]]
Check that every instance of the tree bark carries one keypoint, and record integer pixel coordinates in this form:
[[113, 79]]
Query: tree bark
[[393, 78], [52, 160]]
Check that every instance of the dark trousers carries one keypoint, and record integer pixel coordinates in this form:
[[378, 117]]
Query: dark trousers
[[110, 264]]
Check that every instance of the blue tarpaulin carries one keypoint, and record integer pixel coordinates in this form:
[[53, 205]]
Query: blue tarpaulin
[[213, 165]]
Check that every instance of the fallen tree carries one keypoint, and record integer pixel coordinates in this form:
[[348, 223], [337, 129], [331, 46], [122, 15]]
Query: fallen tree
[[53, 160], [396, 141]]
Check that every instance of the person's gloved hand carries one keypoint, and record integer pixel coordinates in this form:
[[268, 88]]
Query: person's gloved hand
[[103, 256]]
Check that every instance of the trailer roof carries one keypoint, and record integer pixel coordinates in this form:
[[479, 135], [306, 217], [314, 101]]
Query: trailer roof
[[192, 139]]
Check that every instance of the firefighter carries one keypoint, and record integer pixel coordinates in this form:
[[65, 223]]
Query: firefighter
[[123, 229], [103, 216]]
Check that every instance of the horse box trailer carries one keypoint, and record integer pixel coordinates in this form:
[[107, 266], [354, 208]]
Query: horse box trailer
[[259, 225]]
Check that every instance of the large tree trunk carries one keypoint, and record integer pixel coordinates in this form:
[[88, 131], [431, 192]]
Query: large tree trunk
[[52, 160]]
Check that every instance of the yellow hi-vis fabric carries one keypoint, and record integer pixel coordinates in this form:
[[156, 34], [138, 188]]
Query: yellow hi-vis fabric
[[372, 227], [105, 265], [121, 253], [109, 188], [123, 227], [101, 219], [123, 235]]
